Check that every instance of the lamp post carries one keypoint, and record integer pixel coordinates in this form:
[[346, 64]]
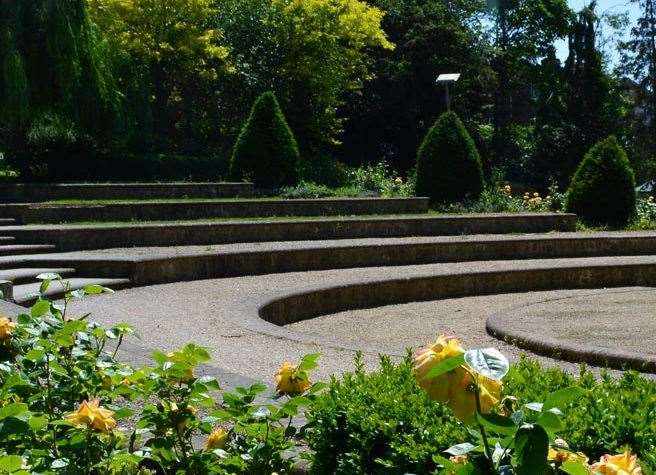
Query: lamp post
[[446, 79]]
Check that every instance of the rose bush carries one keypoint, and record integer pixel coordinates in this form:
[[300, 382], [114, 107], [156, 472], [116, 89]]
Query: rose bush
[[508, 441], [68, 406]]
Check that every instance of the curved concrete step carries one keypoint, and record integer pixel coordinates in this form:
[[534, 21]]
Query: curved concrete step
[[26, 294], [80, 237], [98, 191], [194, 210], [28, 275], [7, 221], [18, 249], [7, 239]]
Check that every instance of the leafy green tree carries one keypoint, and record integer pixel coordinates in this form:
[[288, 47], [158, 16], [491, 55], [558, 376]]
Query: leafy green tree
[[311, 53], [169, 60], [591, 112], [54, 80], [448, 165], [396, 108], [639, 63], [602, 191], [266, 150], [525, 31], [551, 125]]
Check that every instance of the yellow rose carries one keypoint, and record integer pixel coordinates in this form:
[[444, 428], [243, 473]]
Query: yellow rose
[[427, 358], [622, 464], [291, 381], [91, 415], [6, 329], [217, 439], [455, 388]]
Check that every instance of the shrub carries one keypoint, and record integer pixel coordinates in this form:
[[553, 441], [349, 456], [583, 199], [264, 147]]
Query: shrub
[[602, 191], [383, 422], [266, 150], [379, 423], [448, 164]]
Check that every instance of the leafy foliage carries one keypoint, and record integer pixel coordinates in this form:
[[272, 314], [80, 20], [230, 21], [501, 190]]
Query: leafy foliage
[[168, 60], [54, 70], [360, 418], [379, 423], [266, 150], [448, 165], [334, 38], [603, 188], [67, 405]]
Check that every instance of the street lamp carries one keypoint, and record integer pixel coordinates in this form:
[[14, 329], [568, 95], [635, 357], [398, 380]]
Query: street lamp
[[446, 79]]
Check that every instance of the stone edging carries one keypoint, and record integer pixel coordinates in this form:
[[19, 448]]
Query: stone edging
[[500, 325], [281, 310]]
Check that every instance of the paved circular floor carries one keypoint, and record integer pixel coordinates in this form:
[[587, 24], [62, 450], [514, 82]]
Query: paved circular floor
[[168, 316]]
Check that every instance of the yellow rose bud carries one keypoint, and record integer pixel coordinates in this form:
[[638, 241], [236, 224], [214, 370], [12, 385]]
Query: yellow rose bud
[[561, 455], [93, 416], [290, 381], [622, 464], [6, 329], [107, 383], [124, 382], [217, 439]]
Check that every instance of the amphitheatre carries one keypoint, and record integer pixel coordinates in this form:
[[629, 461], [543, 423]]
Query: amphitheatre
[[258, 281]]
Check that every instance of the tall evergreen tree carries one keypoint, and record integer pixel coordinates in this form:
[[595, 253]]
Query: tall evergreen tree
[[525, 30], [550, 121], [639, 63], [588, 91], [52, 72]]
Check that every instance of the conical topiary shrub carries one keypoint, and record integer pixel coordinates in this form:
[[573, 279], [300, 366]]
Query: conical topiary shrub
[[266, 150], [602, 191], [448, 164]]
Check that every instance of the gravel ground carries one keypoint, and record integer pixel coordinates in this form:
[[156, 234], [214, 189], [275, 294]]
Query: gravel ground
[[215, 313]]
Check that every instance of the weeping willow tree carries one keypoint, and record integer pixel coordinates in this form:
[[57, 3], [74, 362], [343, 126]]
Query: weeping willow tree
[[55, 87]]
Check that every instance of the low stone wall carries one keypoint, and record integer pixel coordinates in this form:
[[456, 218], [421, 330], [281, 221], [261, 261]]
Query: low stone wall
[[293, 308], [32, 193], [72, 238], [190, 210]]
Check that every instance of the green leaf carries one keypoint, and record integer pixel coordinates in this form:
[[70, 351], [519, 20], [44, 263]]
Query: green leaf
[[96, 289], [45, 285], [563, 397], [531, 450], [460, 449], [11, 463], [59, 463], [48, 276], [38, 422], [35, 355], [574, 468], [309, 362], [550, 421], [13, 410], [497, 424], [488, 362], [445, 366], [40, 308]]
